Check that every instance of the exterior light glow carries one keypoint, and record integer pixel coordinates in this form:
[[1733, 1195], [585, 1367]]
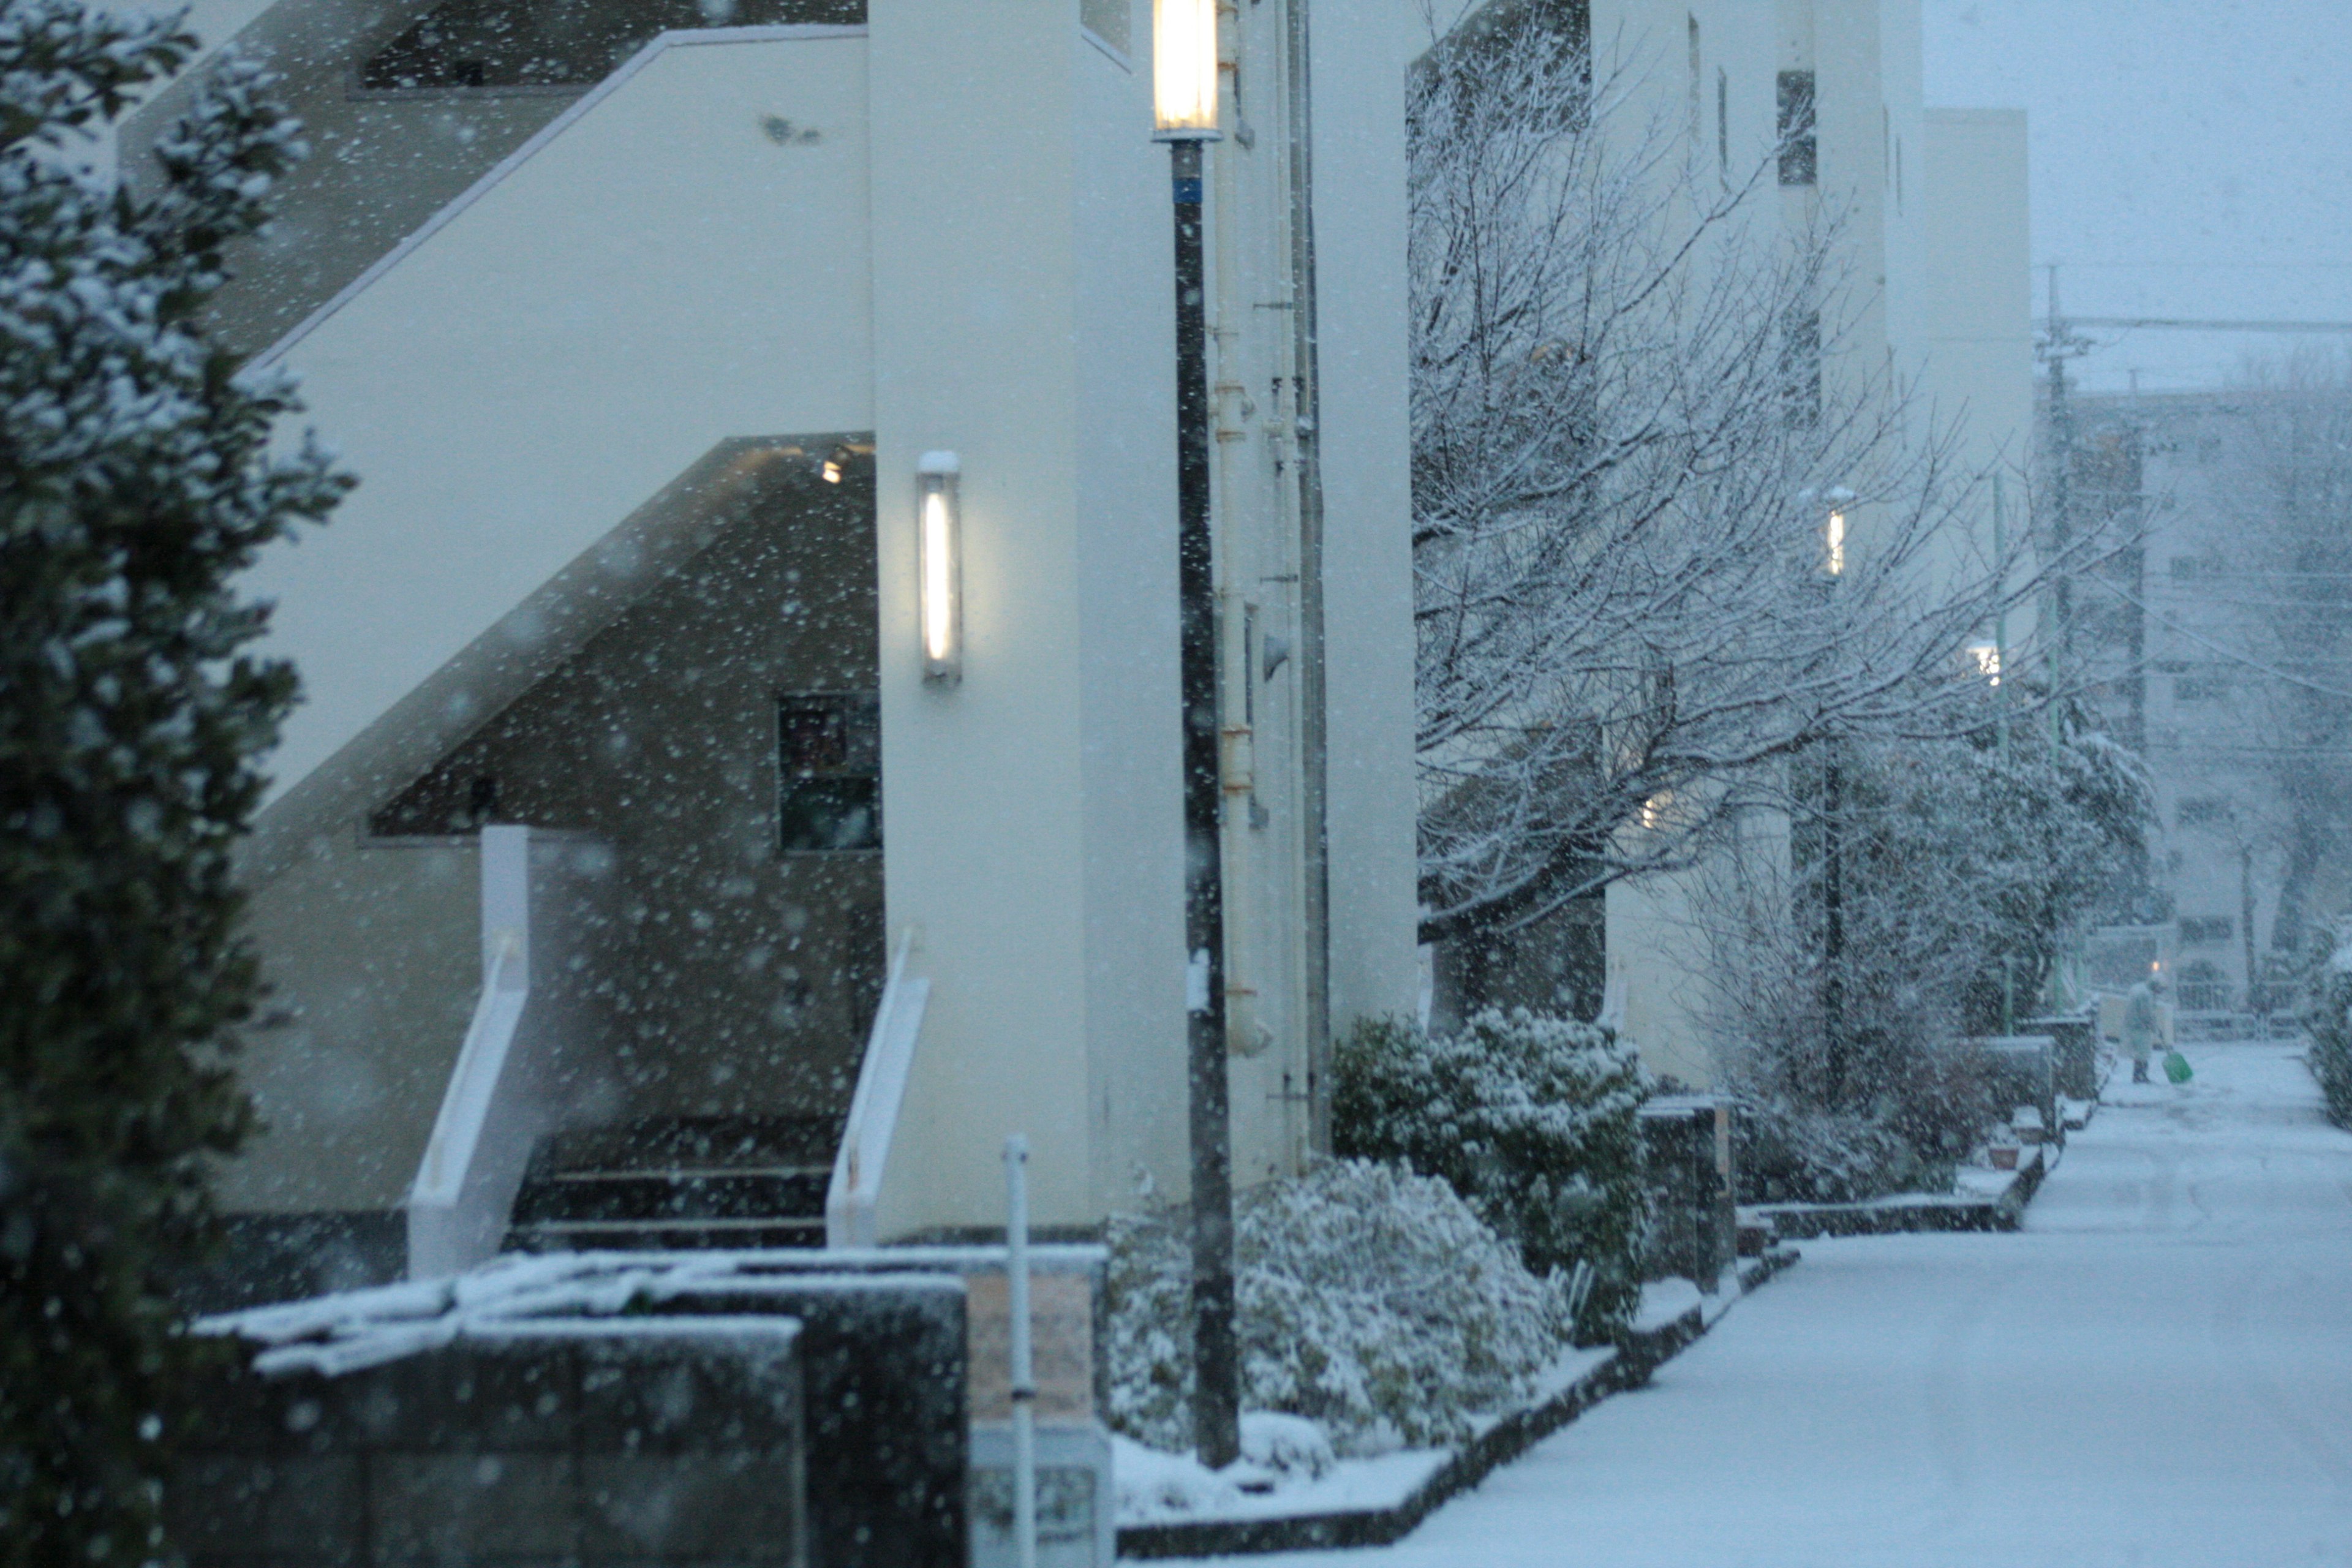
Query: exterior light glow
[[1184, 69], [1987, 658], [938, 566], [1833, 537]]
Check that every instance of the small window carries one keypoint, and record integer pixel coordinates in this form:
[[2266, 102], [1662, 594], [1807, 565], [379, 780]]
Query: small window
[[2204, 931], [1112, 21], [2201, 688], [1723, 124], [1696, 76], [829, 756], [1800, 160], [1801, 366], [2201, 811]]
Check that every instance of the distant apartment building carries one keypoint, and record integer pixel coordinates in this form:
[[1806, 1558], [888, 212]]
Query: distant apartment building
[[1932, 202], [2181, 636]]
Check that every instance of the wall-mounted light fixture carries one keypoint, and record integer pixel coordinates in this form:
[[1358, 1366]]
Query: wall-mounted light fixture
[[940, 564], [1984, 657], [1839, 498], [1184, 69]]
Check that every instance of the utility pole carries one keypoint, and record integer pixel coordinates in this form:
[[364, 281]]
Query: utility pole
[[2058, 345]]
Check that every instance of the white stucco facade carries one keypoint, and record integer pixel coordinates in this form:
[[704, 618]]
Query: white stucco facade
[[1932, 287], [945, 228]]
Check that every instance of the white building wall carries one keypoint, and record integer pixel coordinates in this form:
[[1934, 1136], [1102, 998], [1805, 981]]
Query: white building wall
[[654, 276], [1931, 293], [1360, 55], [975, 291], [1977, 344], [974, 256]]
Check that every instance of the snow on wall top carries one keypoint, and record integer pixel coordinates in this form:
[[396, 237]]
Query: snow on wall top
[[358, 1329]]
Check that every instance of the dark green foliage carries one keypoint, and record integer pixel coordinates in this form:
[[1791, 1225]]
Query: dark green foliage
[[2327, 1014], [133, 483], [1533, 1119]]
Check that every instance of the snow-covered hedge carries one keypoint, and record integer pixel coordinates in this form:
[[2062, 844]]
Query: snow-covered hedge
[[1370, 1301], [1532, 1119], [2328, 1015]]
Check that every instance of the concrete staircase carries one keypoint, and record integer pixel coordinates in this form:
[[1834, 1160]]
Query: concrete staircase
[[679, 1182]]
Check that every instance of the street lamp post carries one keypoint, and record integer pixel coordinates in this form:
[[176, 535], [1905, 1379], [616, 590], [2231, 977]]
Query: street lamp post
[[1184, 112]]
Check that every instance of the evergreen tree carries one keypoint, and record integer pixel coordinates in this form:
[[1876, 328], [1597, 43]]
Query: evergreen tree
[[135, 481]]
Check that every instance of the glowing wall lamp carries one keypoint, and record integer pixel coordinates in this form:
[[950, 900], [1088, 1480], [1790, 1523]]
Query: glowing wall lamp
[[940, 565], [1184, 69], [1833, 531], [1985, 659]]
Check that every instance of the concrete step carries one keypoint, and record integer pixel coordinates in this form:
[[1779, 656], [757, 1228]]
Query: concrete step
[[677, 1192], [677, 1182], [664, 1235]]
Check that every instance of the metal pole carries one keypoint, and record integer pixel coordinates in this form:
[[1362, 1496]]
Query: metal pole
[[2061, 504], [2000, 713], [1834, 923], [1024, 1380], [1314, 737], [1216, 1372]]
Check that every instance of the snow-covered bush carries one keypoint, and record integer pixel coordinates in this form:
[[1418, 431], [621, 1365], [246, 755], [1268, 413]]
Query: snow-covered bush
[[1788, 1153], [1370, 1301], [135, 482], [1532, 1119], [1927, 890], [2327, 1014]]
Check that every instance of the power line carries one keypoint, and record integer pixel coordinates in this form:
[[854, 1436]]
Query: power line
[[2191, 324]]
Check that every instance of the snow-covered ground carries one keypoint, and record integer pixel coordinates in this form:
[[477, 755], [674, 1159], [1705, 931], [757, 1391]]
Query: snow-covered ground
[[2157, 1371]]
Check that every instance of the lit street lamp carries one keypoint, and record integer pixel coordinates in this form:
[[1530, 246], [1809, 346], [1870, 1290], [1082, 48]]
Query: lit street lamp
[[1184, 113]]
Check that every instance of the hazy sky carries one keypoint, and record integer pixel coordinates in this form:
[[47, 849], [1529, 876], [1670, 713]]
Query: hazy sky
[[2187, 160]]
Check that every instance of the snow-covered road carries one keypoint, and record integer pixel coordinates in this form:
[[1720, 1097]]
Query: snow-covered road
[[2156, 1370]]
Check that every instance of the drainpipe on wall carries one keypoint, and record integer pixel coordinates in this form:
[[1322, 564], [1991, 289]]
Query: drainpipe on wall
[[1306, 449]]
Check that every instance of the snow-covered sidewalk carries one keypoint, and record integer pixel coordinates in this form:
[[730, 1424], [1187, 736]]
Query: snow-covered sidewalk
[[2156, 1370]]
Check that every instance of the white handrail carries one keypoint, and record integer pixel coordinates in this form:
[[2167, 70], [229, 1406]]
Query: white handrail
[[466, 1105], [858, 1164], [528, 1061]]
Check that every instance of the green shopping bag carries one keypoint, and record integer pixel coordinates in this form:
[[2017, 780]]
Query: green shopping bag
[[2177, 1067]]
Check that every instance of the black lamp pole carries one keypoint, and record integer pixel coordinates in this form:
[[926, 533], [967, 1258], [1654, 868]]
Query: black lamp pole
[[1216, 1369]]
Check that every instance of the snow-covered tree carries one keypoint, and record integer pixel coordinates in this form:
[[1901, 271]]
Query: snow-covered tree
[[1626, 451], [134, 482], [1956, 871]]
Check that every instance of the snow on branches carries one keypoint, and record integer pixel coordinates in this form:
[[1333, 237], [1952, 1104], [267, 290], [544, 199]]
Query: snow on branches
[[1630, 423]]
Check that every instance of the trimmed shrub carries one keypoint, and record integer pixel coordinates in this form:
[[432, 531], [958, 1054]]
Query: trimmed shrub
[[1370, 1301], [1532, 1119], [137, 485], [2327, 1014], [1935, 1107]]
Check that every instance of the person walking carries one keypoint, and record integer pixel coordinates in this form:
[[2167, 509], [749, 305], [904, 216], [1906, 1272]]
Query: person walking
[[2143, 1022]]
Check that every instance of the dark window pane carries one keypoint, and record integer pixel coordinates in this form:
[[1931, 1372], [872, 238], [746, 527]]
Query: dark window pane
[[557, 43], [1799, 161], [822, 814], [829, 768], [1801, 366]]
